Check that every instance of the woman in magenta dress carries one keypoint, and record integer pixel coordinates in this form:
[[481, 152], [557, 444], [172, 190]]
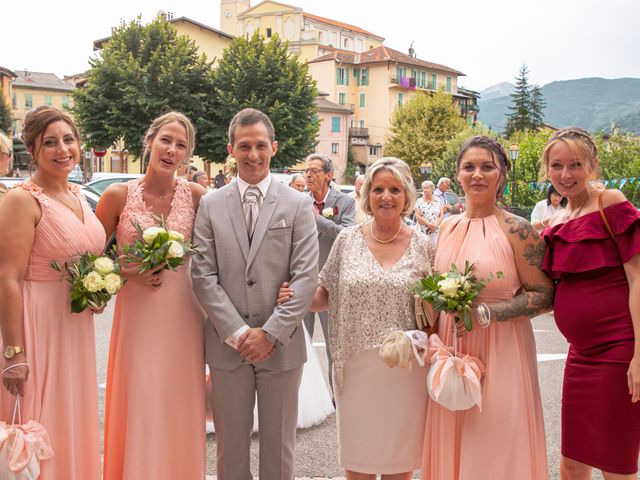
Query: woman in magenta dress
[[154, 412], [505, 440], [593, 254], [49, 352]]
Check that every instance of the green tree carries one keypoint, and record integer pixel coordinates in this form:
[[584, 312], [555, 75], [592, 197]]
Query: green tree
[[538, 105], [263, 75], [142, 72], [5, 116], [620, 159], [421, 129], [445, 165], [520, 116]]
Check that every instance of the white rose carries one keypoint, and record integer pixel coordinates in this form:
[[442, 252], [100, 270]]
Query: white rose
[[449, 287], [151, 233], [112, 283], [173, 235], [175, 250], [327, 212], [103, 265], [466, 286], [93, 282]]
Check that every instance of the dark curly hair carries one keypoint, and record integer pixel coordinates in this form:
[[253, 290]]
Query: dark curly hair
[[496, 151]]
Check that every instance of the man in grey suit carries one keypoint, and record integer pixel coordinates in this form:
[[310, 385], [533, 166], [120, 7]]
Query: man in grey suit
[[258, 233], [334, 211]]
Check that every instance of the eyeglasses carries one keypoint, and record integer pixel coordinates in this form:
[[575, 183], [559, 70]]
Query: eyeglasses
[[314, 171]]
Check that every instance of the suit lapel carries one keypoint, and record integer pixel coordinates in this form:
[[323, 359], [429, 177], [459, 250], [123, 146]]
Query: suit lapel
[[236, 217], [331, 199], [266, 212]]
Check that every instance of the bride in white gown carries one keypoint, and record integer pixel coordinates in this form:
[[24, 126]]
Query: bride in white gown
[[314, 399]]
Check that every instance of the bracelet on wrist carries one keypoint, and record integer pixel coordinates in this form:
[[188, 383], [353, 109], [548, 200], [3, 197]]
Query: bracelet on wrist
[[483, 315]]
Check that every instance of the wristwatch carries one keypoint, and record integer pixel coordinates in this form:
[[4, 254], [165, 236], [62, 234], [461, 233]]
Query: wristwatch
[[11, 351]]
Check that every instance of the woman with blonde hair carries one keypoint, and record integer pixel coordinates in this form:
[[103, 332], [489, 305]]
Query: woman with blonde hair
[[5, 160], [155, 413], [49, 352], [366, 287], [593, 255]]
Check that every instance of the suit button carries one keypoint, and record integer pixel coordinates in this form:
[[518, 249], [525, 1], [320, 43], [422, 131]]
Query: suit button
[[250, 282]]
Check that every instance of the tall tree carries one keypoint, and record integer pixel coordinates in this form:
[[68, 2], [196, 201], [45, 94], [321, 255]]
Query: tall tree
[[538, 105], [5, 116], [520, 116], [421, 129], [143, 71], [262, 74]]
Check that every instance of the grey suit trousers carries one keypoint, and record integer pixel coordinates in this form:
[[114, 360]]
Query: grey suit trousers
[[233, 402]]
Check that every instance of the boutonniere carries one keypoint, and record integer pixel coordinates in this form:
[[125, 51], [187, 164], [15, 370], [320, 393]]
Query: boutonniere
[[329, 212]]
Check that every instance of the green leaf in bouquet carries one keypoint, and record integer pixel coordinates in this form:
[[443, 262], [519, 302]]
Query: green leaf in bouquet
[[467, 320]]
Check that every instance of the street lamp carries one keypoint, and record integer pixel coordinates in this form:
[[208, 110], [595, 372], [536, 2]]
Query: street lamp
[[514, 151], [426, 169]]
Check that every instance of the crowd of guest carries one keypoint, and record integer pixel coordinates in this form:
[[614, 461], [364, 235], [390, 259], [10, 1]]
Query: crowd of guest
[[275, 260]]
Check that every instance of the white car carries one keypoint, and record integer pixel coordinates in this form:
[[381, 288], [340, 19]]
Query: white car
[[101, 180], [92, 196]]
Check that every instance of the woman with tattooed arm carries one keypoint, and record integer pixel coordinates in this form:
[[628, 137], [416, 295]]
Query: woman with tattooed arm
[[593, 254], [505, 439]]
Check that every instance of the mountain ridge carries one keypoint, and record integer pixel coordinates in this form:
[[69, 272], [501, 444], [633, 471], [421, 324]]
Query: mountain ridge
[[592, 103]]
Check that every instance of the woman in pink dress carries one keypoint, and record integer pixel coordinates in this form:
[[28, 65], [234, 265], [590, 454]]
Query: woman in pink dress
[[593, 254], [49, 352], [506, 439], [155, 413]]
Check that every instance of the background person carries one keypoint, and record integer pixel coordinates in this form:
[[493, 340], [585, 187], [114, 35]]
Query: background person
[[5, 161], [360, 216], [506, 439], [597, 308], [218, 181], [41, 220], [429, 212], [154, 409], [333, 211], [201, 178], [298, 182], [547, 208], [191, 170]]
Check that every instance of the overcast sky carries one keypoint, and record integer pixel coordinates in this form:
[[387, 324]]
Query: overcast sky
[[488, 41]]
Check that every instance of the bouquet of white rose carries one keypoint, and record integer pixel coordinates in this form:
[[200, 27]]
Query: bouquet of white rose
[[453, 291], [94, 280], [158, 245]]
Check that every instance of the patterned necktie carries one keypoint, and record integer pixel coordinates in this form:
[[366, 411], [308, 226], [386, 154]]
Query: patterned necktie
[[251, 202]]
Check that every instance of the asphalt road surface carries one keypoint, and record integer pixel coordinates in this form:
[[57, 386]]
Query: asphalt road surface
[[316, 451]]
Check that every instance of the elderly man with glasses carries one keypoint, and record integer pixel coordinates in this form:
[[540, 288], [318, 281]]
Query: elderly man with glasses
[[334, 211]]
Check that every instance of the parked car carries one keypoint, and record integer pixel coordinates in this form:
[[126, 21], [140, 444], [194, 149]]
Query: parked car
[[346, 188], [100, 181], [92, 196]]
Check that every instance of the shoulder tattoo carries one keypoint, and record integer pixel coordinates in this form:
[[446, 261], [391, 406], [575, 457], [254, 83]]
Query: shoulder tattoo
[[521, 227]]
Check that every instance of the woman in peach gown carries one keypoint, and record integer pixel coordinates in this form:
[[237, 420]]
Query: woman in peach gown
[[49, 352], [155, 413], [506, 439]]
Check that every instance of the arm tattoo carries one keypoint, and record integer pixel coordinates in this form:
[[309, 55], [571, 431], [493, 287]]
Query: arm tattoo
[[522, 228], [533, 300], [534, 254]]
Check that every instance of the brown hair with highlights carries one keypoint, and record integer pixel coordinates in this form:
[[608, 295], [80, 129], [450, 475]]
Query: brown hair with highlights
[[498, 154], [165, 119], [37, 121]]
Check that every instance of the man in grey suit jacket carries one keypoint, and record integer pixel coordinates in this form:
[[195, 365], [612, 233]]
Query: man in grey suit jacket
[[334, 211], [258, 233]]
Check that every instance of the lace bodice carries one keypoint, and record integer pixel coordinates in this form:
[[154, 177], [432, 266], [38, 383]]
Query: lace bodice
[[181, 216], [366, 303]]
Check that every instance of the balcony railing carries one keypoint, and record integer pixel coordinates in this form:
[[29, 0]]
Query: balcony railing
[[358, 132]]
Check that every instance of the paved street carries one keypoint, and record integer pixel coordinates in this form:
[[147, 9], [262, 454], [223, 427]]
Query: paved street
[[317, 448]]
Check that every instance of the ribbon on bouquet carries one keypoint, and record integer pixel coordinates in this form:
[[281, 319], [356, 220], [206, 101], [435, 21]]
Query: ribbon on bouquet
[[454, 381]]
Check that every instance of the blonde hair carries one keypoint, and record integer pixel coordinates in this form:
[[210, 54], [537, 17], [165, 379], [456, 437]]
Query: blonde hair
[[6, 146], [581, 144], [165, 119], [398, 169]]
